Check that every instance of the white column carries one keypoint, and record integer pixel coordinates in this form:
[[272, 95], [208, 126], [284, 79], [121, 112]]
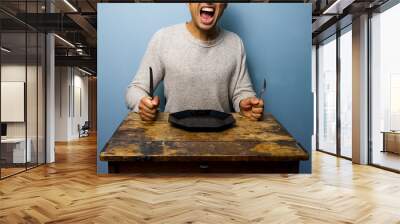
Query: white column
[[360, 90], [50, 100]]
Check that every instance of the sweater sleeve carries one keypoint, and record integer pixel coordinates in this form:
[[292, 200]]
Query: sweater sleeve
[[140, 85], [240, 82]]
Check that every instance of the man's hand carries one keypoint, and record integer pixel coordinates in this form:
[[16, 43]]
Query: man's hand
[[148, 108], [252, 108]]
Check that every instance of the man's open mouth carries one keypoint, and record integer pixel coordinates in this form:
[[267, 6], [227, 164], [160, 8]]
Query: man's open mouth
[[207, 15]]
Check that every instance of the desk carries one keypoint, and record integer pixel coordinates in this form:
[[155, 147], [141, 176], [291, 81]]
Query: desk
[[391, 141], [17, 150], [140, 146]]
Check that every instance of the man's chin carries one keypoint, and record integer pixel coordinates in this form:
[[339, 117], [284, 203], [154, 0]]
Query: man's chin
[[205, 27]]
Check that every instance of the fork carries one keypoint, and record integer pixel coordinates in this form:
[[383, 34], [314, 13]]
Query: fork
[[151, 91]]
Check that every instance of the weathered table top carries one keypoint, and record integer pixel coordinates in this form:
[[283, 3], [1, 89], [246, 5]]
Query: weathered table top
[[265, 140]]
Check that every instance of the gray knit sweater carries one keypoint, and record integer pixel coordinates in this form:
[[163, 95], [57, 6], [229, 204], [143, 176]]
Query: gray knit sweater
[[197, 74]]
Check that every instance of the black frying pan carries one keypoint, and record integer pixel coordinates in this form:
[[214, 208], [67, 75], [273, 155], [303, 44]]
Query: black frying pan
[[201, 120]]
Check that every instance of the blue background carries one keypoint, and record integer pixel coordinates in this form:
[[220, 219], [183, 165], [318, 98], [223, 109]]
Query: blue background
[[277, 38]]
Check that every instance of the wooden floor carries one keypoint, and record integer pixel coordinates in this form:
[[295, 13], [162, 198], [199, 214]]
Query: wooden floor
[[69, 191], [5, 172], [386, 159]]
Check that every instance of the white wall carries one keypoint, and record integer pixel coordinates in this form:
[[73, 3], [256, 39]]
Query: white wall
[[79, 117], [70, 83], [62, 81]]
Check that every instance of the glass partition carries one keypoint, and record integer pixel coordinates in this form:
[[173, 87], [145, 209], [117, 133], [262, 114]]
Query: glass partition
[[335, 94], [31, 100], [385, 89], [327, 95], [22, 88], [13, 109]]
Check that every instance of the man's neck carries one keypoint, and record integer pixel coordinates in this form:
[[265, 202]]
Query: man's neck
[[201, 34]]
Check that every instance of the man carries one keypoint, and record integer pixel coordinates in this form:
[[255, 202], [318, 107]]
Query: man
[[202, 65]]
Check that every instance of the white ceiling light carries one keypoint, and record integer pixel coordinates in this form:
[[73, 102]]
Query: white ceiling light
[[65, 41], [5, 50], [70, 5]]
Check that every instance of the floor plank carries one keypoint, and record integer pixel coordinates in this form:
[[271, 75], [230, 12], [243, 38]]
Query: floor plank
[[69, 191]]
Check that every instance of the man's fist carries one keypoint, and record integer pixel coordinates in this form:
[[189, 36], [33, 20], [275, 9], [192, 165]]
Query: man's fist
[[148, 108], [252, 108]]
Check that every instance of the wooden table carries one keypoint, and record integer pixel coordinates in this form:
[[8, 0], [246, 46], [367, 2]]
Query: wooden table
[[261, 147], [391, 141]]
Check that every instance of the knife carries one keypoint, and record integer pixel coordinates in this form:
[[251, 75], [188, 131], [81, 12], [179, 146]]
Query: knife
[[264, 87], [151, 83]]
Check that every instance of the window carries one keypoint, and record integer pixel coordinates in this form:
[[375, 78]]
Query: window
[[333, 137], [346, 75], [385, 88], [394, 101], [327, 95]]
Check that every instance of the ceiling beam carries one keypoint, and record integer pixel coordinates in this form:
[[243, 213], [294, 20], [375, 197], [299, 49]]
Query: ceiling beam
[[82, 61], [338, 6], [84, 24]]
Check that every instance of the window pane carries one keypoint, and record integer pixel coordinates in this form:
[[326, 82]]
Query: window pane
[[32, 89], [31, 98], [346, 94], [13, 147], [327, 96], [385, 86]]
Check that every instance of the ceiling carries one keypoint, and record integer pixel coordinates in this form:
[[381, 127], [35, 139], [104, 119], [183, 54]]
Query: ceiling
[[76, 22]]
